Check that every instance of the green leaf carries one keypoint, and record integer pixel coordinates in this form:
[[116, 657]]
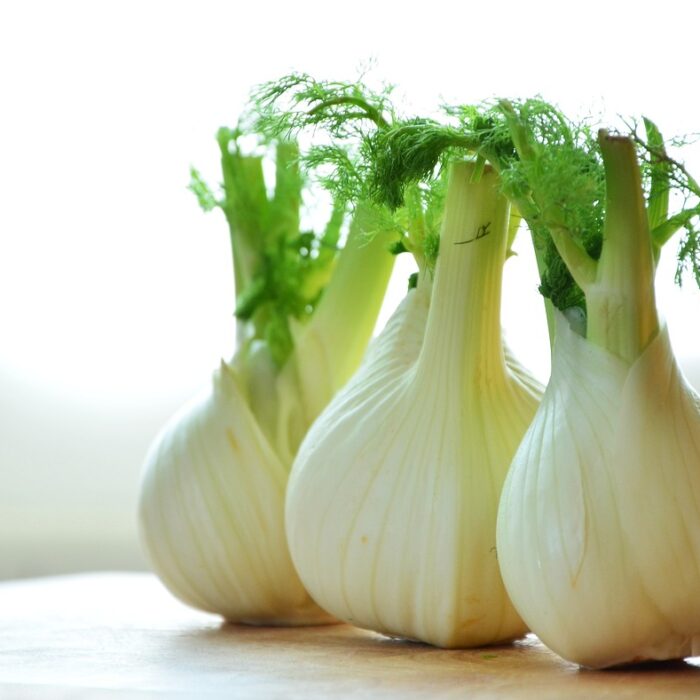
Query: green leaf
[[657, 204], [297, 101], [331, 234], [689, 255], [478, 168], [665, 230], [205, 197], [250, 298], [513, 227], [279, 338], [245, 196], [398, 247], [285, 205]]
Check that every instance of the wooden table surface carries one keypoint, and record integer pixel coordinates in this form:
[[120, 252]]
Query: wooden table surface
[[123, 635]]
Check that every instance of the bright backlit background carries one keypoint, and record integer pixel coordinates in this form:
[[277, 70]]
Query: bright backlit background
[[116, 291]]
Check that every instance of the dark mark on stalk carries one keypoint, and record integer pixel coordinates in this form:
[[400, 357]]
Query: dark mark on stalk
[[481, 232]]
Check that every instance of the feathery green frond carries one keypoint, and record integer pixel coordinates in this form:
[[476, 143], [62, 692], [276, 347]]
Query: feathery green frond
[[409, 152], [284, 107], [348, 121], [689, 253]]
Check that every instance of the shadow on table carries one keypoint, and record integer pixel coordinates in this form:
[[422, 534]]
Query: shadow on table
[[353, 646]]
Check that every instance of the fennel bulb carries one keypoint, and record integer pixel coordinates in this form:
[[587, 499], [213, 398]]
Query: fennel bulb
[[599, 521], [392, 499], [212, 500], [211, 512], [599, 526]]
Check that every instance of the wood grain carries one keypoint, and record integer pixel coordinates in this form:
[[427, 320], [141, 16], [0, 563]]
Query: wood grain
[[123, 635]]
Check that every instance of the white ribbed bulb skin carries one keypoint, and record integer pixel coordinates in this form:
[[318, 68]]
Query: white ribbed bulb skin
[[211, 513], [392, 499], [382, 521], [599, 522]]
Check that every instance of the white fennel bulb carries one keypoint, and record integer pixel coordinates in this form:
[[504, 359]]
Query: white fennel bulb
[[212, 500], [392, 500], [599, 522], [212, 509], [599, 525]]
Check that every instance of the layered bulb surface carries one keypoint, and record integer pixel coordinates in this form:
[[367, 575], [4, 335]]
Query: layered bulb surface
[[211, 511], [599, 524], [391, 505]]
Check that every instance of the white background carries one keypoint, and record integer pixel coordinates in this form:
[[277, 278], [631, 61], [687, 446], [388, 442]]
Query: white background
[[116, 291]]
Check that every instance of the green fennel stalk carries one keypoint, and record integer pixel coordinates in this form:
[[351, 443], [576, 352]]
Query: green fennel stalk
[[583, 198]]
